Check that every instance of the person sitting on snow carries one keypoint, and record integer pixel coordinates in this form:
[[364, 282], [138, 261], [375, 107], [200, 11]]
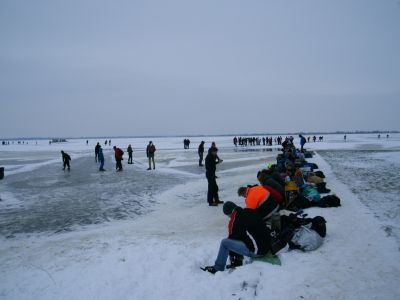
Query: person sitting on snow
[[245, 226]]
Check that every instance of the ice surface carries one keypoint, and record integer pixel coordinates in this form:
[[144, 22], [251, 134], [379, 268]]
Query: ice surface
[[144, 234]]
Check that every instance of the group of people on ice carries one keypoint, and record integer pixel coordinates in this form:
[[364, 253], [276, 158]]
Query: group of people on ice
[[272, 217], [118, 155]]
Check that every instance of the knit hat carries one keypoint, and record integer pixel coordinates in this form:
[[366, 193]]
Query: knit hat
[[242, 191], [228, 207]]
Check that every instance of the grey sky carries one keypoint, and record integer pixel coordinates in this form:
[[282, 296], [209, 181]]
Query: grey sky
[[87, 68]]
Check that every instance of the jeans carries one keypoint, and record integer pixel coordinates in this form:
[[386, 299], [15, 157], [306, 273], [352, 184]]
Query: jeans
[[101, 164], [226, 246], [151, 158]]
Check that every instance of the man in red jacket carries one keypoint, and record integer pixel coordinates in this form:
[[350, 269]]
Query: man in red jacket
[[248, 236], [118, 158]]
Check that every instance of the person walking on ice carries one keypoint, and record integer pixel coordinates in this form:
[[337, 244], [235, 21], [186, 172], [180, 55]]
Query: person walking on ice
[[130, 151], [101, 159], [211, 166], [200, 151], [150, 154], [66, 159], [118, 158]]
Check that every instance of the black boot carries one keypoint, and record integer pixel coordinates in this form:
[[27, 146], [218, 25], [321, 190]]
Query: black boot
[[210, 269]]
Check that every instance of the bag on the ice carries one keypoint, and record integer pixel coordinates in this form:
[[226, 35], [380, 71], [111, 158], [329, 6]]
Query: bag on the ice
[[305, 239], [329, 201]]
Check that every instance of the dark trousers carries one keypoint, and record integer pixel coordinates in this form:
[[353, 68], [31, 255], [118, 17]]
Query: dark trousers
[[119, 164], [66, 164], [101, 164], [212, 194], [130, 158], [200, 158]]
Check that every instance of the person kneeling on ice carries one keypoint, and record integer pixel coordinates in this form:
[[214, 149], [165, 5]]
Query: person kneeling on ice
[[245, 226]]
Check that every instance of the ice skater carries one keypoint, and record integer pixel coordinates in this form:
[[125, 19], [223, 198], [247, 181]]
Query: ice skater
[[66, 158], [101, 159], [118, 153], [130, 151], [200, 151], [211, 166], [96, 151], [150, 150]]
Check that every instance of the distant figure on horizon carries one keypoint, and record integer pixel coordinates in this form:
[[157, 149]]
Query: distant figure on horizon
[[345, 137], [150, 154], [130, 151], [379, 136], [109, 143], [66, 158], [314, 138], [87, 142], [101, 158], [105, 143], [387, 136], [96, 151], [200, 151], [118, 153]]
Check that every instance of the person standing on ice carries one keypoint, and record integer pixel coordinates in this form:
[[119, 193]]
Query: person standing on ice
[[150, 154], [211, 166], [214, 146], [66, 158], [101, 159], [118, 153], [96, 151], [200, 151], [130, 151], [245, 226], [302, 142]]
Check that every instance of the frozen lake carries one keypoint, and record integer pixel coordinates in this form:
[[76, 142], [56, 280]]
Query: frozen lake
[[38, 196]]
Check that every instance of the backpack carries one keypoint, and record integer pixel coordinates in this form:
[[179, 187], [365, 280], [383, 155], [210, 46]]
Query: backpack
[[329, 201]]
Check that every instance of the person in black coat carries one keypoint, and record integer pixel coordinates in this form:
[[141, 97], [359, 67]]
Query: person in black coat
[[200, 151], [96, 151], [66, 158], [211, 166], [245, 226]]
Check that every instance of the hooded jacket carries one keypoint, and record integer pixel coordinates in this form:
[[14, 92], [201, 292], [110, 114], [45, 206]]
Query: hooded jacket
[[246, 222]]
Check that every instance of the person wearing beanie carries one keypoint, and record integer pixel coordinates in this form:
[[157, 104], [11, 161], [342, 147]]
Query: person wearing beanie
[[211, 166], [245, 226]]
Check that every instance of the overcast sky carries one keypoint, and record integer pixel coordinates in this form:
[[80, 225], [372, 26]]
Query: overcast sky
[[99, 68]]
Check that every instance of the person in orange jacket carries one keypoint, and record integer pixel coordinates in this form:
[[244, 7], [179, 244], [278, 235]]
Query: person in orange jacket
[[258, 197]]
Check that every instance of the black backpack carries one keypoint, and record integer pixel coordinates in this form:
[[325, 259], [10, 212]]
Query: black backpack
[[329, 201]]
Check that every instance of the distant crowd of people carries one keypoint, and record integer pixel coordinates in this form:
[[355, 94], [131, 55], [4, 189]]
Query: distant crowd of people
[[267, 141]]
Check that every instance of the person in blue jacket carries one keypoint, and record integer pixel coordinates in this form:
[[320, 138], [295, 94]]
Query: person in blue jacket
[[100, 156], [302, 142]]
